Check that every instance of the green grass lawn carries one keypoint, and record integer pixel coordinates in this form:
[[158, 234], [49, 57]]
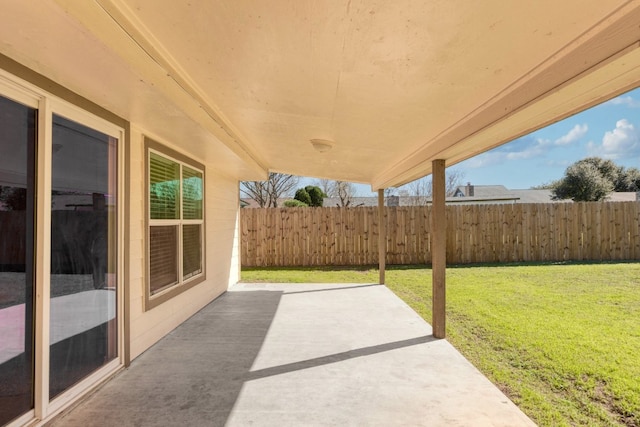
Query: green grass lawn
[[561, 340]]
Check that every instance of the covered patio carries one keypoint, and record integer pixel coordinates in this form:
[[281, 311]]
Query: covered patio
[[300, 354], [206, 94]]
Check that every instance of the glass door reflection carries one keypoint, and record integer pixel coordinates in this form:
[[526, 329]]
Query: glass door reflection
[[17, 151], [83, 330]]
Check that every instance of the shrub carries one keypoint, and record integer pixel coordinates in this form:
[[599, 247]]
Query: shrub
[[303, 196], [316, 194], [294, 204]]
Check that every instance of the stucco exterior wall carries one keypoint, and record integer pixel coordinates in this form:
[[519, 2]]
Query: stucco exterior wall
[[221, 251]]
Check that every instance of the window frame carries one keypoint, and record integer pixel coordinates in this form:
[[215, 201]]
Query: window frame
[[172, 290]]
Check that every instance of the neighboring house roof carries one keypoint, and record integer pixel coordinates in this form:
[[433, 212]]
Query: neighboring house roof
[[482, 191], [482, 194], [498, 193], [534, 196], [331, 202]]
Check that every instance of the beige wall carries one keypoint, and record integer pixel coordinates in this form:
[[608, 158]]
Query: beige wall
[[222, 213], [140, 329], [222, 254]]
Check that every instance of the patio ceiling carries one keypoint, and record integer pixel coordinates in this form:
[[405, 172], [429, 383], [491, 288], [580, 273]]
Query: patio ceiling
[[394, 84]]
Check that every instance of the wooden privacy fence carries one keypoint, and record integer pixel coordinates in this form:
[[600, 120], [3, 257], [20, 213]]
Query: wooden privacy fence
[[475, 234]]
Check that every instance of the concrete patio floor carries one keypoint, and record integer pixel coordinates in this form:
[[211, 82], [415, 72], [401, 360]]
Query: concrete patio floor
[[300, 355]]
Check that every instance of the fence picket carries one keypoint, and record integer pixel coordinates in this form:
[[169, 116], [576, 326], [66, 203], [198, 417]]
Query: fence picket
[[475, 233]]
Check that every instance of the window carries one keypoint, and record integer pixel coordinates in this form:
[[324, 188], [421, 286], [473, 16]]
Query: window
[[175, 215]]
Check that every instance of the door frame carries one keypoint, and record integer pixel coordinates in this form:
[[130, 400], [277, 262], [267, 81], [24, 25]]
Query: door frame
[[47, 105]]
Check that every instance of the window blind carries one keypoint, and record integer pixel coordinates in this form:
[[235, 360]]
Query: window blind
[[164, 188], [192, 193], [163, 257], [191, 250]]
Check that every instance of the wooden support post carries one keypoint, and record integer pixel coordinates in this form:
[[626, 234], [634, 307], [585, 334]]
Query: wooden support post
[[438, 248], [382, 236]]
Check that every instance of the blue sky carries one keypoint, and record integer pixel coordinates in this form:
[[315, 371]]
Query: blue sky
[[610, 130]]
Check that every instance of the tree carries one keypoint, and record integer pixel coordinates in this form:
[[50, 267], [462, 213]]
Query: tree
[[310, 196], [316, 194], [420, 189], [13, 198], [326, 185], [390, 191], [583, 182], [593, 178], [609, 170], [345, 191], [266, 193], [303, 196], [453, 180], [545, 186], [342, 190], [628, 180]]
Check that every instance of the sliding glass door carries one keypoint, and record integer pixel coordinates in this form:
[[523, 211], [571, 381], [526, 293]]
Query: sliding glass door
[[83, 253], [17, 148], [59, 257]]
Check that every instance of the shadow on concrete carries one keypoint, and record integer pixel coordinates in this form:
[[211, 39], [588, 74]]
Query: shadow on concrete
[[341, 288], [193, 376], [334, 358], [201, 373]]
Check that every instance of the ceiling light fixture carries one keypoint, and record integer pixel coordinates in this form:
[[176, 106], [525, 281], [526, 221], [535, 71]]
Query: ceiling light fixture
[[322, 145]]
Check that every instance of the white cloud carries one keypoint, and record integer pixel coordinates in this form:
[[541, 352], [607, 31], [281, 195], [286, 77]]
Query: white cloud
[[627, 101], [525, 154], [481, 160], [558, 163], [575, 134], [527, 147], [619, 143], [520, 149]]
